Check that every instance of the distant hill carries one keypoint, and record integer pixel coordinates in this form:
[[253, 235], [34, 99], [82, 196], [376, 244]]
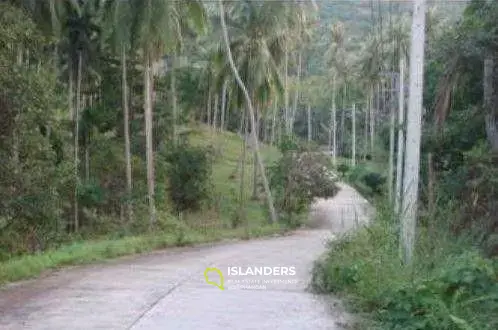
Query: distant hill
[[359, 17]]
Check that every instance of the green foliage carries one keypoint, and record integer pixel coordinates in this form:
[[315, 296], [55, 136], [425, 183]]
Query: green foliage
[[189, 172], [343, 169], [370, 183], [449, 286], [297, 179]]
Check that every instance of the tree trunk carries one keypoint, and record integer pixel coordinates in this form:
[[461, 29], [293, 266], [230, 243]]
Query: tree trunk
[[401, 137], [413, 132], [76, 141], [273, 122], [87, 144], [365, 129], [215, 111], [266, 185], [255, 163], [208, 108], [309, 123], [16, 141], [126, 116], [173, 100], [353, 144], [343, 128], [430, 188], [296, 94], [148, 90], [243, 162], [491, 118], [334, 126], [223, 105], [372, 116], [287, 120], [391, 152]]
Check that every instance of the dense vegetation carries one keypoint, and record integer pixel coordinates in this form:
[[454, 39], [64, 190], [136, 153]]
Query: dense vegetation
[[123, 128], [132, 125], [452, 282]]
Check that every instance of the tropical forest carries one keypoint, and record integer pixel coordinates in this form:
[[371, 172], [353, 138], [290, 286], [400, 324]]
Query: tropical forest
[[135, 127]]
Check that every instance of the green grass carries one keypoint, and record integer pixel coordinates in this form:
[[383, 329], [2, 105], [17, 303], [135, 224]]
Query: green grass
[[448, 286], [85, 252], [228, 147], [207, 226]]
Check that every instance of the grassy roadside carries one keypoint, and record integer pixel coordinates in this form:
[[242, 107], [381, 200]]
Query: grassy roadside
[[212, 225], [450, 285], [85, 252]]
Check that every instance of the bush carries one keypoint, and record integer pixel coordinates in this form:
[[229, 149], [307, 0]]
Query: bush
[[296, 179], [366, 181], [374, 181], [189, 174], [343, 169], [449, 286]]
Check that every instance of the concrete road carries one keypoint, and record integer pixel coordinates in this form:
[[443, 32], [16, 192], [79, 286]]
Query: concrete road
[[167, 290]]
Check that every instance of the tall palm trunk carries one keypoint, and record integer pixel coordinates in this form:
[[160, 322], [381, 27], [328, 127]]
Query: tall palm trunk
[[148, 90], [296, 93], [215, 111], [333, 128], [223, 104], [413, 132], [266, 185], [309, 123], [287, 121], [273, 122], [365, 129], [208, 108], [353, 144], [255, 163], [86, 103], [491, 118], [391, 152], [372, 118], [243, 157], [401, 138], [343, 124], [15, 132], [76, 140], [173, 100], [373, 115], [126, 116]]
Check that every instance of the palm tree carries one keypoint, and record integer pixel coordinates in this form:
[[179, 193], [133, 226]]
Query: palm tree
[[336, 56], [156, 30], [118, 16], [251, 112], [257, 47]]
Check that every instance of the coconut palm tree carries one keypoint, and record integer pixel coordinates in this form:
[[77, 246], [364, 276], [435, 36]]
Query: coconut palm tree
[[336, 57], [257, 46], [251, 112], [156, 30], [117, 17]]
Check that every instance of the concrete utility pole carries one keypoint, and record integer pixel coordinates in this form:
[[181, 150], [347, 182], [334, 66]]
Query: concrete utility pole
[[413, 132]]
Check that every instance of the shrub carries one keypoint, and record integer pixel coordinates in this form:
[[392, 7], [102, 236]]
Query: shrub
[[374, 181], [296, 179], [189, 173], [453, 287], [343, 169]]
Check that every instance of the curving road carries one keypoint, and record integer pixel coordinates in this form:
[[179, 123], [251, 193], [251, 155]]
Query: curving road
[[167, 290]]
